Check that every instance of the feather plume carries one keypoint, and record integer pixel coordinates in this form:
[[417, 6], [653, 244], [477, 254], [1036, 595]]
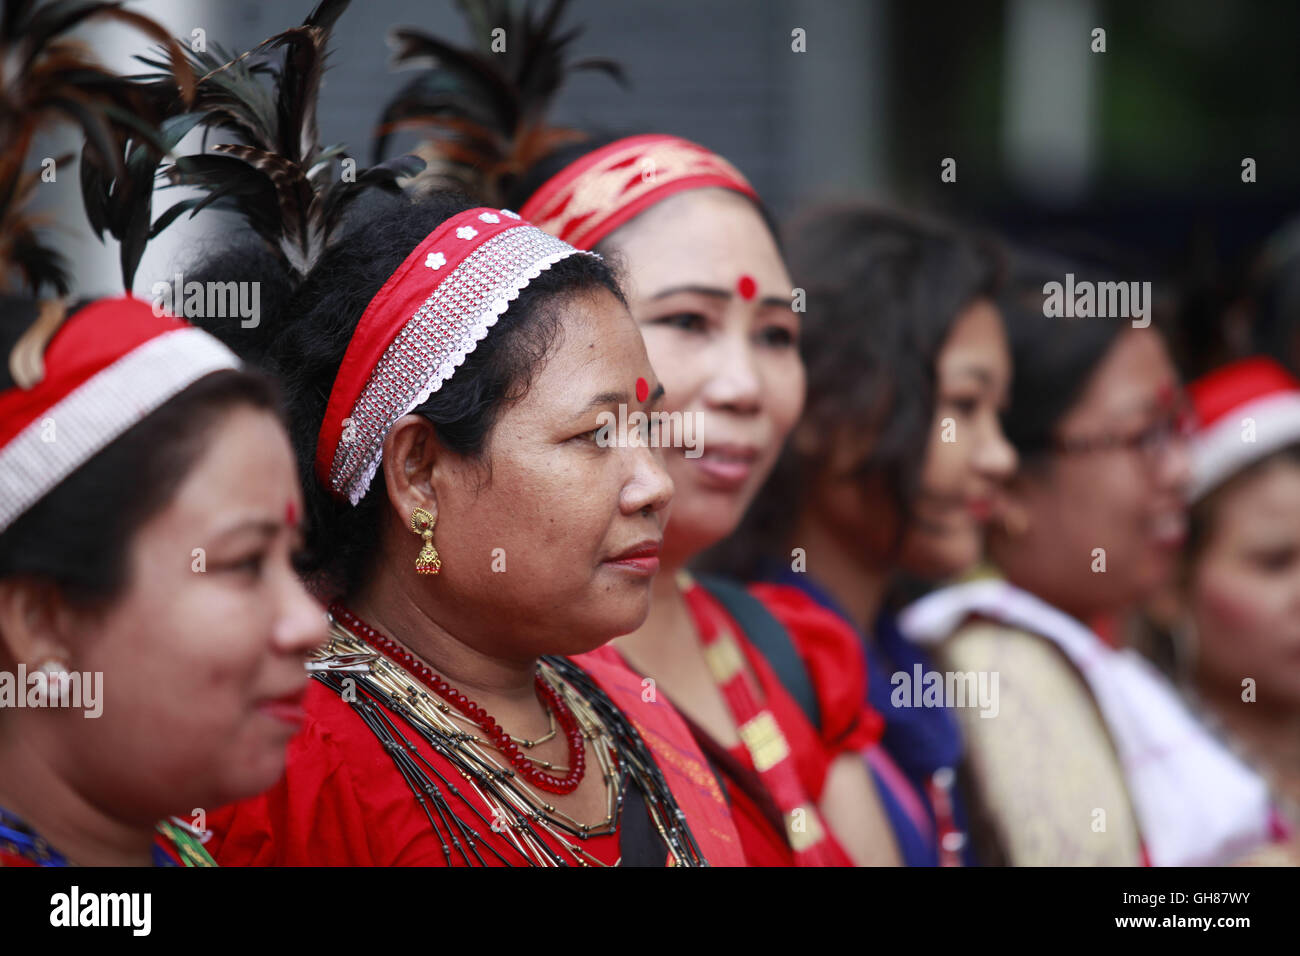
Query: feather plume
[[485, 111], [270, 166], [46, 77]]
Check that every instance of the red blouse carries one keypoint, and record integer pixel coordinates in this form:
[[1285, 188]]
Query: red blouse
[[342, 801], [833, 655]]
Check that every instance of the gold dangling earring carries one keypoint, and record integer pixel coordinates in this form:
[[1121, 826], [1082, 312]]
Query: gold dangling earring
[[422, 524]]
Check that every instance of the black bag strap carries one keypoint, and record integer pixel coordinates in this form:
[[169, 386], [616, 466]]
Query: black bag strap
[[769, 635], [638, 840]]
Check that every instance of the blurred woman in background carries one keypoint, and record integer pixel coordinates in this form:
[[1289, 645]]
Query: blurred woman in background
[[1090, 757], [1237, 656], [892, 471]]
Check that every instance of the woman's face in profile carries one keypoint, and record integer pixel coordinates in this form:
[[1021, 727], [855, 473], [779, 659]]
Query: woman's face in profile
[[1106, 521], [1245, 586], [549, 544], [202, 657], [968, 459]]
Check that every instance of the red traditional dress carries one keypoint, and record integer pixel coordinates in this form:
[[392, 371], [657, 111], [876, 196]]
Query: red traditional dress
[[343, 802], [380, 776], [764, 806]]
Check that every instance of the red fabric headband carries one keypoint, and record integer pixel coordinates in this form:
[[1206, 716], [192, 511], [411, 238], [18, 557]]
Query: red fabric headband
[[419, 327], [1240, 383], [106, 368], [1245, 411], [590, 198]]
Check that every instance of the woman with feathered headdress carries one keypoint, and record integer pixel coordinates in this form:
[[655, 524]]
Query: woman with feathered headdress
[[444, 365], [152, 632], [771, 685]]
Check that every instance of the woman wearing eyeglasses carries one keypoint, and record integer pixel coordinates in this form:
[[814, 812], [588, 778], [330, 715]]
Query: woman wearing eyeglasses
[[1087, 757]]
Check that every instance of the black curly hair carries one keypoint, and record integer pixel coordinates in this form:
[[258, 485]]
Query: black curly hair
[[304, 341]]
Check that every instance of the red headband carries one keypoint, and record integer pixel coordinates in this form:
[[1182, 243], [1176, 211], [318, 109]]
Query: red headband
[[106, 368], [430, 314], [590, 198], [1245, 411]]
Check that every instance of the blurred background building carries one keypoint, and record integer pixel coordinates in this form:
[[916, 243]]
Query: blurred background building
[[1132, 155]]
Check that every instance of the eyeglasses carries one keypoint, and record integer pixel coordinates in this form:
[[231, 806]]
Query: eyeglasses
[[1151, 442]]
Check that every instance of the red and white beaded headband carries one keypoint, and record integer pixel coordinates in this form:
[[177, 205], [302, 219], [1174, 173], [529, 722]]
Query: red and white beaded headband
[[590, 198], [431, 313], [105, 369]]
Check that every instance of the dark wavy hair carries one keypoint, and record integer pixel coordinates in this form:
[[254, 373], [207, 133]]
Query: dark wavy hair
[[78, 537], [883, 290], [303, 344]]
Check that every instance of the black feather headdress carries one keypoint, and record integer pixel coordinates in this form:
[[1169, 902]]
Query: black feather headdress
[[484, 107], [46, 77], [292, 191]]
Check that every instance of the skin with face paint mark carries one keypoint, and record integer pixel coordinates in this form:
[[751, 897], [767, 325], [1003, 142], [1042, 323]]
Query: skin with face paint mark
[[203, 671], [732, 363], [1244, 603], [1245, 596], [566, 511]]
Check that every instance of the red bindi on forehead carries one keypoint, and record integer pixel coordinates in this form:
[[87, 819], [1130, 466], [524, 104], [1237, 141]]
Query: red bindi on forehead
[[746, 287], [291, 513], [642, 389]]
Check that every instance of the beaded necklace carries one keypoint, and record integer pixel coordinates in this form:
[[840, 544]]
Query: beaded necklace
[[19, 839], [376, 685], [535, 772]]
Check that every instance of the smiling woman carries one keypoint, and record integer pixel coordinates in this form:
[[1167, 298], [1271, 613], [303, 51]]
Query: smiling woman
[[153, 552], [1091, 525], [711, 295], [893, 468], [1237, 647], [449, 367]]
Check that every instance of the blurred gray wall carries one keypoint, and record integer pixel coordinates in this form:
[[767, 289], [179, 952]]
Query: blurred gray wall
[[721, 72]]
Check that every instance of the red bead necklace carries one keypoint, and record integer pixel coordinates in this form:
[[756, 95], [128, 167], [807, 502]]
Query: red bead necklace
[[501, 740]]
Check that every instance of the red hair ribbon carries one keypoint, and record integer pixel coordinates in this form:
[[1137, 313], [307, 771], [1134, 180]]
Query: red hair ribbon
[[590, 198], [430, 314]]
